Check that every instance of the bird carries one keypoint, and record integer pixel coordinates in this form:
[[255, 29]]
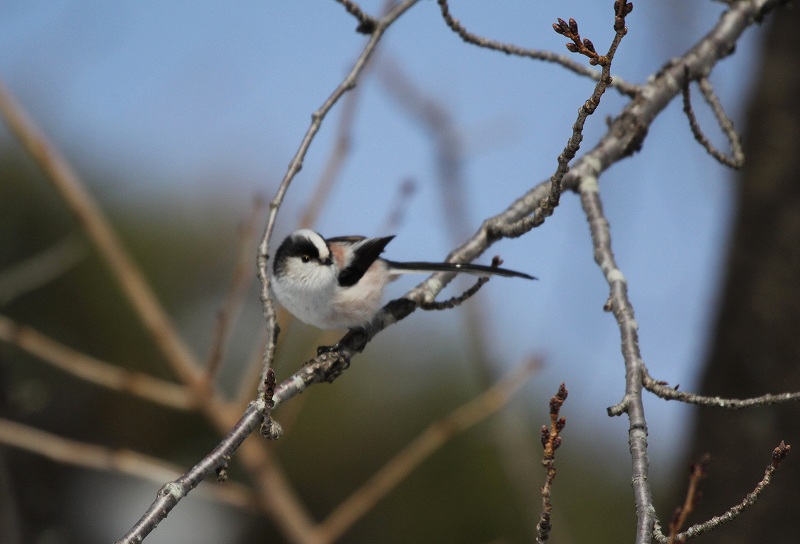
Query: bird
[[338, 283]]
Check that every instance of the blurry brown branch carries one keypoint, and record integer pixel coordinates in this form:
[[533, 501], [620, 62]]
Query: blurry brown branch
[[551, 440], [536, 54], [736, 161], [94, 370], [41, 268], [344, 128], [697, 472], [105, 239], [436, 120], [277, 496], [405, 192], [241, 279], [335, 162], [434, 116], [421, 448], [778, 455], [122, 461]]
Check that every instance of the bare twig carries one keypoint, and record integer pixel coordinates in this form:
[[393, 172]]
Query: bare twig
[[270, 429], [737, 160], [551, 440], [42, 268], [664, 391], [778, 455], [548, 205], [73, 452], [234, 298], [536, 54], [456, 300], [724, 121], [94, 370], [697, 472], [421, 448]]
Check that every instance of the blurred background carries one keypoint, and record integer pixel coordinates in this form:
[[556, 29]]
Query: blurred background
[[179, 115]]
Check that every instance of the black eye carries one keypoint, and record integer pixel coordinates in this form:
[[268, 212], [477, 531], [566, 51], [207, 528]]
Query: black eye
[[305, 258]]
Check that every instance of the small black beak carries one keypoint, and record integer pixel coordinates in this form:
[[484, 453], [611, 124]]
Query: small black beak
[[327, 262]]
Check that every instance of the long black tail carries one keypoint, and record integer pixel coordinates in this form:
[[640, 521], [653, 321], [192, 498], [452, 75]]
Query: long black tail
[[467, 268]]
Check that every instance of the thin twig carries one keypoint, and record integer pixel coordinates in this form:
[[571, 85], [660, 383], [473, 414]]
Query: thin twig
[[536, 54], [548, 205], [241, 280], [94, 370], [725, 122], [456, 300], [421, 448], [551, 441], [664, 391], [121, 461], [737, 160], [778, 455], [697, 472]]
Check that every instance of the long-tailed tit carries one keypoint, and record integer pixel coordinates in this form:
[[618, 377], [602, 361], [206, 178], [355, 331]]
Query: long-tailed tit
[[338, 283]]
